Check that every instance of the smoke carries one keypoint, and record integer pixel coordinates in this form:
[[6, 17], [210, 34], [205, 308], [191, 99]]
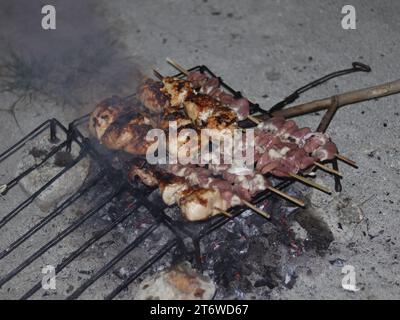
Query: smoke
[[80, 62]]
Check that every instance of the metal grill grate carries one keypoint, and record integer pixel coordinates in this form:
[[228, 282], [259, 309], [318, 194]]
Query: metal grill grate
[[185, 236]]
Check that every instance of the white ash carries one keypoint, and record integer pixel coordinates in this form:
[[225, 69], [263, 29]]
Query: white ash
[[65, 185], [299, 231]]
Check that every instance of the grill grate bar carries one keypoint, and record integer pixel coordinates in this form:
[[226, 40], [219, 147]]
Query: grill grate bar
[[58, 238], [10, 151], [66, 261], [53, 151], [59, 210], [157, 211], [163, 251], [113, 261], [29, 200]]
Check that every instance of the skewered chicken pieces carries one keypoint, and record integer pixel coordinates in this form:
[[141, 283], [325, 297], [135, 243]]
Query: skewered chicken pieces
[[178, 90], [105, 113]]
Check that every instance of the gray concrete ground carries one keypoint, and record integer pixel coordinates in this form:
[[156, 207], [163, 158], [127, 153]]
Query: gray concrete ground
[[267, 49]]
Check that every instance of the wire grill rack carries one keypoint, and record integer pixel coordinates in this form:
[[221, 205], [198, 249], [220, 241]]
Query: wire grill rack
[[184, 236]]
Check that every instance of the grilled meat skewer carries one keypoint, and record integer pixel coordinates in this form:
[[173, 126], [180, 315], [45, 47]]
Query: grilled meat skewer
[[121, 128], [211, 86], [196, 202], [151, 96]]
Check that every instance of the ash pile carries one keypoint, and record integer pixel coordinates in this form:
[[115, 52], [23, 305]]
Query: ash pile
[[249, 256]]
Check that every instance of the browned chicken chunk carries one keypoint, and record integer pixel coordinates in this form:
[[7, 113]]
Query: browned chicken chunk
[[178, 90], [208, 112], [152, 97], [105, 113]]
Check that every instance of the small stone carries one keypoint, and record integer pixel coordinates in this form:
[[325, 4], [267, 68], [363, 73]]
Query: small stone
[[337, 262], [63, 186], [180, 282]]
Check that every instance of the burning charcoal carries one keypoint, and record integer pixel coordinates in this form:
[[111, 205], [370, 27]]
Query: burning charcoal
[[69, 289], [38, 153], [86, 272], [230, 226], [105, 244], [106, 217], [63, 159], [267, 281], [116, 163], [251, 230], [120, 228], [290, 279], [319, 234]]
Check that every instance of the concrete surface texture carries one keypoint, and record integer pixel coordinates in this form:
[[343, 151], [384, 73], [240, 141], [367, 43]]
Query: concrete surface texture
[[267, 49]]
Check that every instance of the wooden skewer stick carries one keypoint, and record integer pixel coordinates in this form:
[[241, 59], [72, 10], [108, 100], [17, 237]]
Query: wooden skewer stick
[[177, 66], [327, 169], [157, 74], [186, 72], [346, 160], [310, 183], [254, 119], [225, 213], [286, 196], [255, 209]]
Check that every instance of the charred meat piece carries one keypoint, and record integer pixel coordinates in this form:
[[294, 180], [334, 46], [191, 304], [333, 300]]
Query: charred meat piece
[[200, 107], [178, 90], [221, 118], [105, 113], [128, 133], [181, 120], [125, 137], [152, 97], [208, 112], [210, 86], [146, 176]]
